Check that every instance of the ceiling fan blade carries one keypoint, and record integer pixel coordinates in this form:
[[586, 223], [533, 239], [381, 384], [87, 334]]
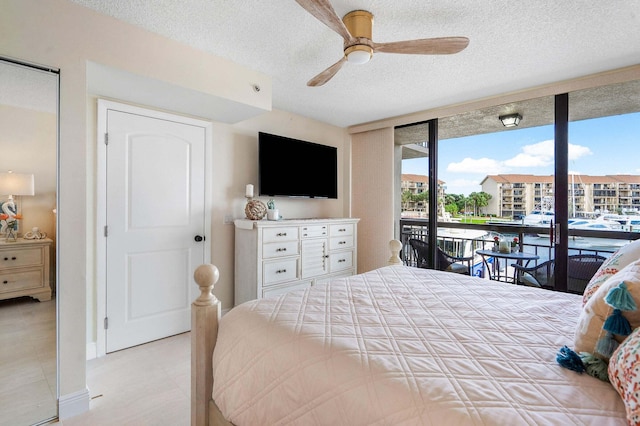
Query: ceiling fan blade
[[327, 74], [426, 46], [325, 13]]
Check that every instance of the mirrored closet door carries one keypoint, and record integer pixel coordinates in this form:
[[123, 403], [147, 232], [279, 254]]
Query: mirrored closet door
[[28, 187]]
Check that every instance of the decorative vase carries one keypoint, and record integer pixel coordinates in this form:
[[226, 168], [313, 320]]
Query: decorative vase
[[11, 236]]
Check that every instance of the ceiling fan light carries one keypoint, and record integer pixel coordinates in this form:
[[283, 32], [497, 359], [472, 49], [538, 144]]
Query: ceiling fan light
[[359, 54], [510, 120]]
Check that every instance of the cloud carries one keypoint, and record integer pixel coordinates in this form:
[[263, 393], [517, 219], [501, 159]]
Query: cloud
[[539, 154], [471, 165], [577, 151], [528, 160]]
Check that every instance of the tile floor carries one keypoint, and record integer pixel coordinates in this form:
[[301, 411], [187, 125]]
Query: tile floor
[[144, 385], [27, 361]]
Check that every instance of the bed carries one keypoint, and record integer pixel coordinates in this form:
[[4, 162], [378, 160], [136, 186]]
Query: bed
[[397, 345]]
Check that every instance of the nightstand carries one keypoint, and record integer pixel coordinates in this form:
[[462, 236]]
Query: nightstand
[[24, 269]]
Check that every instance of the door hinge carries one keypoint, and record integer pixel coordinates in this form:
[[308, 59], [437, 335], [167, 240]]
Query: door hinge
[[106, 231], [106, 323], [106, 138]]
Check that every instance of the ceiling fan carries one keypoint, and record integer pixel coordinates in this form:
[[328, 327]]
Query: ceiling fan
[[355, 29]]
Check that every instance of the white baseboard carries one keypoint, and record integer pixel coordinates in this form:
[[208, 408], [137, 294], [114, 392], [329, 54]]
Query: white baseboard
[[73, 404], [92, 350]]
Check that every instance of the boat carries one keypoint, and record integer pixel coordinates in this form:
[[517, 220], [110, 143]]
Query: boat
[[539, 218], [464, 243]]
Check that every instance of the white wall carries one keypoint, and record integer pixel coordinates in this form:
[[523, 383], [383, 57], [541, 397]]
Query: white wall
[[60, 34]]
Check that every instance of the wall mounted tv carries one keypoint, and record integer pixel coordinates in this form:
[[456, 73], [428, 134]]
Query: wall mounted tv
[[295, 168]]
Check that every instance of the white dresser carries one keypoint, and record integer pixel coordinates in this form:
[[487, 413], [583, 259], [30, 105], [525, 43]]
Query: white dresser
[[24, 269], [273, 257]]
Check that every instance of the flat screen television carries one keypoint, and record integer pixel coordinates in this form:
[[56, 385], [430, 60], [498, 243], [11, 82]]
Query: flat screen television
[[296, 168]]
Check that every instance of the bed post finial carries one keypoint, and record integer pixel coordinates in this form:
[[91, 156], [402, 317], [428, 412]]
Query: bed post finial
[[205, 315], [395, 246], [206, 276]]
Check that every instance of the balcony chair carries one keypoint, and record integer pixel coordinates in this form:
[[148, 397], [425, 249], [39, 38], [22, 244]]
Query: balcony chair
[[580, 269], [444, 261]]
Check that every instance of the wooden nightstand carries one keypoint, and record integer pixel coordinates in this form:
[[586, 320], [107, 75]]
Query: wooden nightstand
[[24, 269]]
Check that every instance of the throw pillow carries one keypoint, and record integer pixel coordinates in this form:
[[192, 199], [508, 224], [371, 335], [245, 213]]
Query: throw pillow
[[624, 374], [594, 314], [616, 262]]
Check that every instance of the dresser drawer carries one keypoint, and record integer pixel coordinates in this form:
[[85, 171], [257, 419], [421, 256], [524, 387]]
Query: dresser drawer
[[277, 271], [313, 231], [271, 235], [343, 242], [340, 261], [15, 258], [21, 280], [341, 229], [284, 248]]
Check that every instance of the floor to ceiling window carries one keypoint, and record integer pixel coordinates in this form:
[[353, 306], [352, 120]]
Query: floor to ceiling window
[[575, 166]]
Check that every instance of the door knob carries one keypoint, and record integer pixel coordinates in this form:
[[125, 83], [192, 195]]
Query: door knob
[[199, 238]]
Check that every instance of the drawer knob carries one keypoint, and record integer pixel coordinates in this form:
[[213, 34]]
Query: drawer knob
[[281, 234], [341, 260], [13, 258], [342, 242], [281, 271], [282, 249], [342, 230], [5, 282]]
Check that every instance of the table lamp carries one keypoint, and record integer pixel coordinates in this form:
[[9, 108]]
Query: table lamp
[[15, 184]]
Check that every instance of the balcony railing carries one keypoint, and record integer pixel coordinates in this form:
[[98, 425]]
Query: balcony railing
[[455, 240]]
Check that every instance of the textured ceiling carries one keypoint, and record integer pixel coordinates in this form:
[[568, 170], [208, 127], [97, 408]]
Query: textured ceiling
[[28, 88], [513, 46]]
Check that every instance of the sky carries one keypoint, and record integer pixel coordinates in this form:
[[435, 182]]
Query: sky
[[602, 146]]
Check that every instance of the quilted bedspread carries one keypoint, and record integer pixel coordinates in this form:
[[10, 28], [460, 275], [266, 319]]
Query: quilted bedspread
[[403, 346]]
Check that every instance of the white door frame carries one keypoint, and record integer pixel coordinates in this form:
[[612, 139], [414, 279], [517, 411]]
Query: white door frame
[[101, 202]]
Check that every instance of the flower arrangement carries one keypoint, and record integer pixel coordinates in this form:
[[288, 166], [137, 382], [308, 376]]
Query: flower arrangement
[[10, 225], [496, 243], [514, 243]]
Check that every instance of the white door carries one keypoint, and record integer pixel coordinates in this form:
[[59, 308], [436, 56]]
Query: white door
[[155, 223]]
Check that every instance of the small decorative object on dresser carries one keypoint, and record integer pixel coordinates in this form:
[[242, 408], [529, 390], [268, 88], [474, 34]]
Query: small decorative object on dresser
[[255, 209], [35, 234], [272, 212]]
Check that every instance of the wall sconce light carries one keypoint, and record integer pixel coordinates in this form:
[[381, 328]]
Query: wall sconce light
[[510, 120]]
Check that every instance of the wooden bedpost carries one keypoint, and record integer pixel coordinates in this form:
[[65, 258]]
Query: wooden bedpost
[[205, 315], [395, 246]]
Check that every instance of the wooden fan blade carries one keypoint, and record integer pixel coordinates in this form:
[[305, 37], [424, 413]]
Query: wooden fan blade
[[323, 11], [427, 46], [327, 74]]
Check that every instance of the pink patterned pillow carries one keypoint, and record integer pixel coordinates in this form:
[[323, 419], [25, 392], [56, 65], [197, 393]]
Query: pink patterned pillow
[[624, 374], [618, 260]]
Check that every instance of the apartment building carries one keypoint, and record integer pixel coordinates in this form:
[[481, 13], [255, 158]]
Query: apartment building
[[418, 184], [513, 195]]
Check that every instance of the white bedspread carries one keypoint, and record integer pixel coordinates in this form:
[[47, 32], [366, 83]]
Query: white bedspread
[[404, 346]]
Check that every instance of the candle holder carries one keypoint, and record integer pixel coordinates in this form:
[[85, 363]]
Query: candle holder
[[255, 209]]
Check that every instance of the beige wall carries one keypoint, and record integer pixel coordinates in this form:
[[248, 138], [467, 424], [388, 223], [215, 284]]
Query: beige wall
[[373, 160], [60, 34]]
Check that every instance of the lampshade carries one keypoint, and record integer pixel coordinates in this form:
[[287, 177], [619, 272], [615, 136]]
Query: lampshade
[[510, 120], [16, 184]]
